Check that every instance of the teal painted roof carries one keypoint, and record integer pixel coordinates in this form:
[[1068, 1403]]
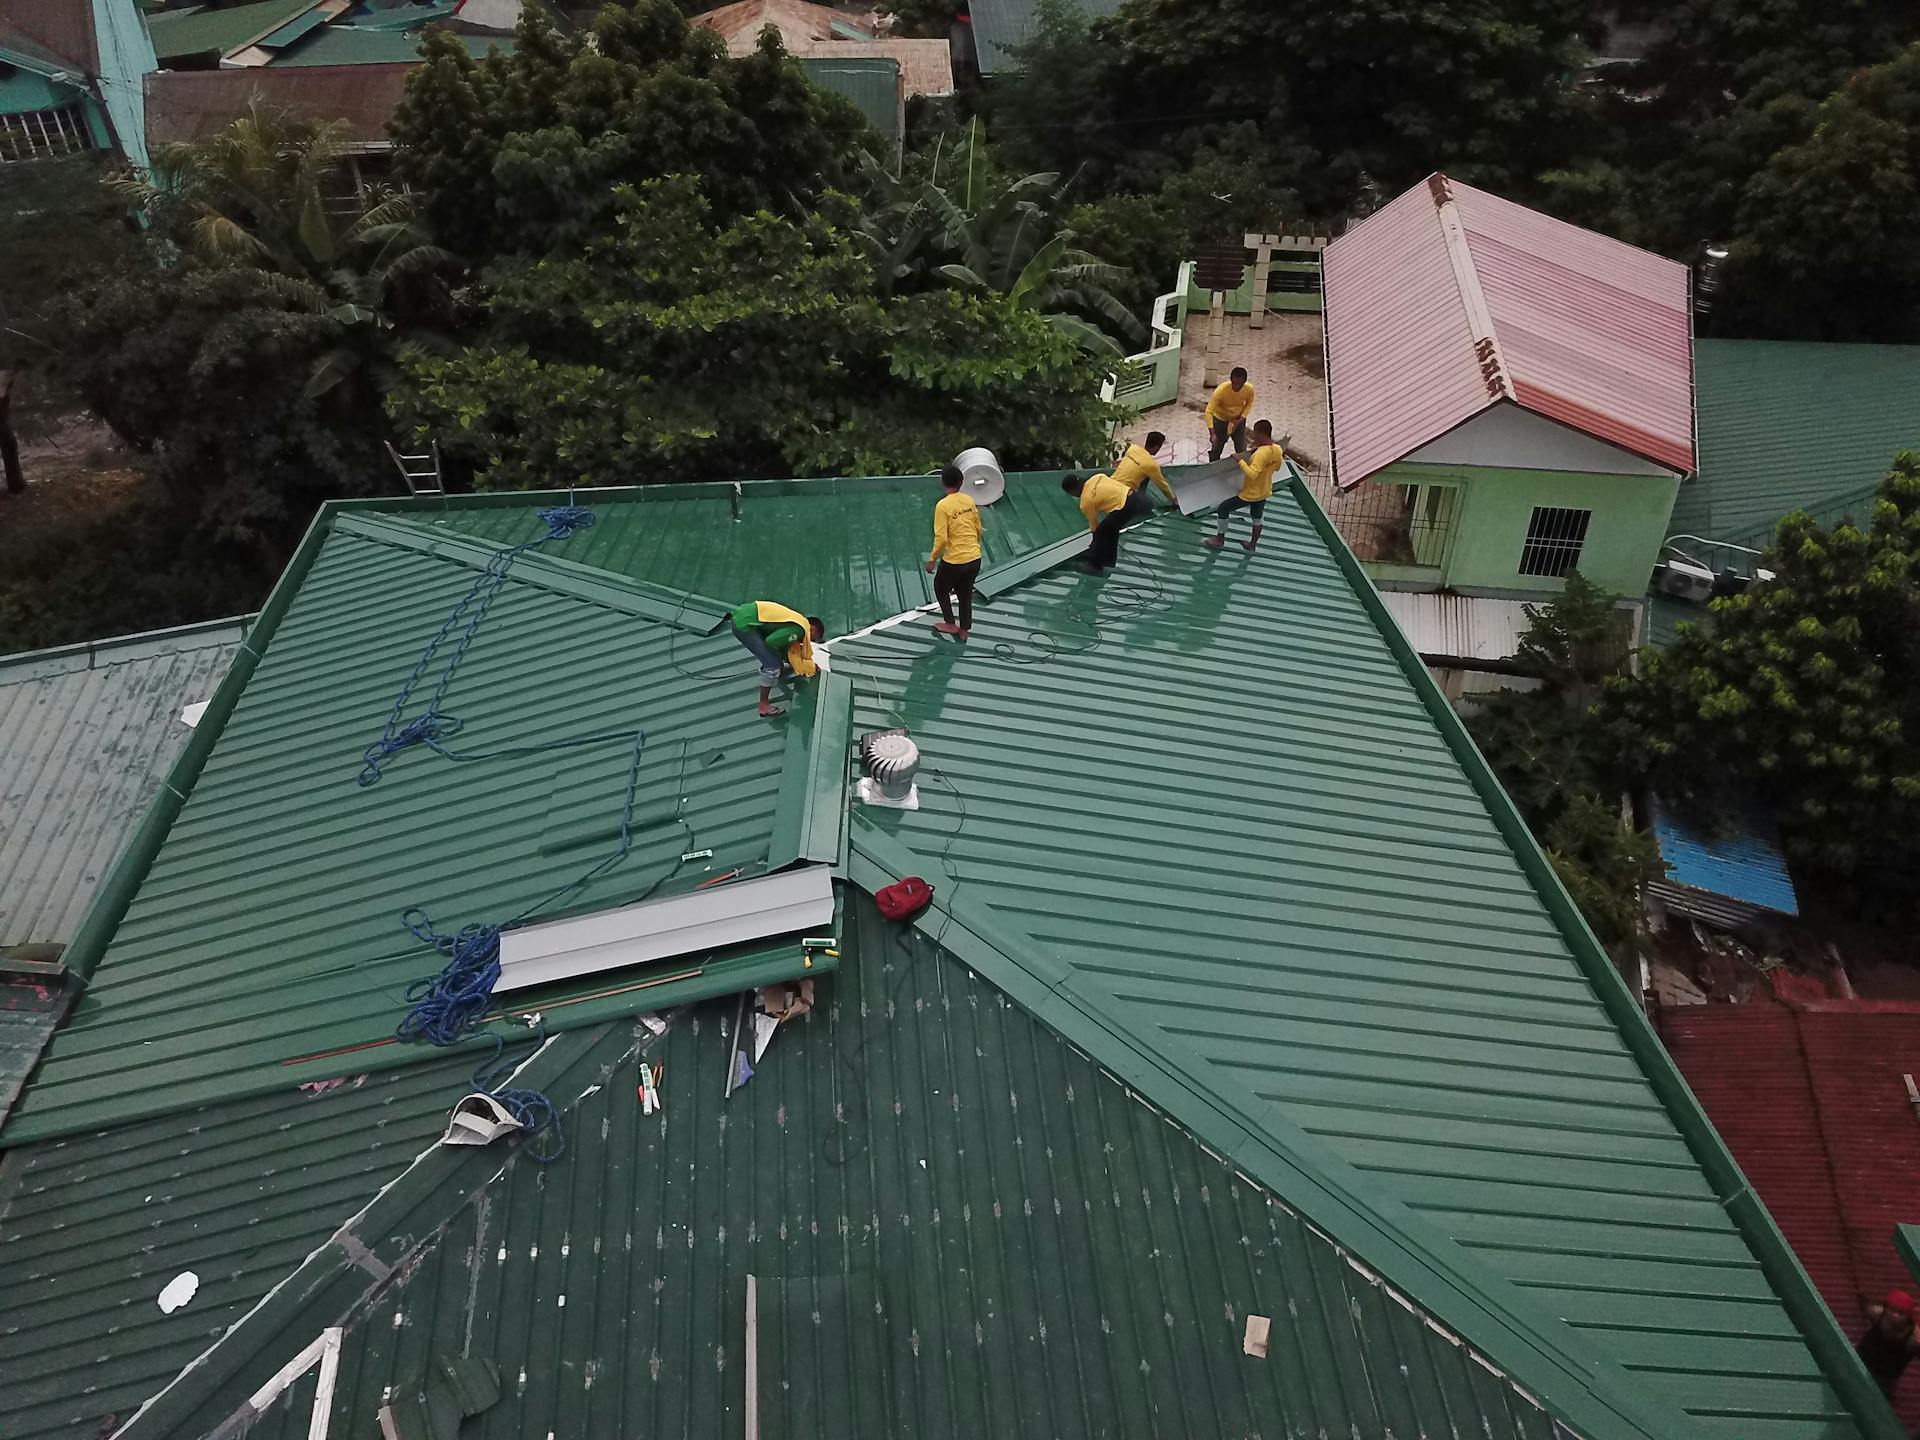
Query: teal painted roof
[[872, 85], [958, 1226], [222, 31], [93, 1226], [1206, 827], [342, 44], [267, 932], [849, 551], [1791, 425], [1207, 803], [1001, 25]]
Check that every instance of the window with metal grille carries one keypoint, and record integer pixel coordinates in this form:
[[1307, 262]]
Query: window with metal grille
[[1554, 539], [40, 133]]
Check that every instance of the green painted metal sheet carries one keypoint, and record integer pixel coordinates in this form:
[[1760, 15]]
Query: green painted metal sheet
[[957, 1225], [849, 551], [266, 934], [1209, 789], [222, 31], [340, 44], [873, 85], [1787, 425], [92, 1227], [1000, 25]]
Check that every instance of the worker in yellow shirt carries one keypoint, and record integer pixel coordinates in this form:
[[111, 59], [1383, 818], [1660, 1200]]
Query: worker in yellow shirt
[[955, 562], [1227, 413], [1141, 464], [1109, 507], [1256, 488], [780, 638]]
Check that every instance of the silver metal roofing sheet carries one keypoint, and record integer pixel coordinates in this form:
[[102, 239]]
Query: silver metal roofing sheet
[[87, 732]]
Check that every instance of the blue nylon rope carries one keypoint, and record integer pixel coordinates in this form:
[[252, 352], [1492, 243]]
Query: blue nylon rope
[[446, 1007]]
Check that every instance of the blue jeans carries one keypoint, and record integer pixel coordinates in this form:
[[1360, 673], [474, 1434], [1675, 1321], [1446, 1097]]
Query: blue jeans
[[770, 664], [1256, 508]]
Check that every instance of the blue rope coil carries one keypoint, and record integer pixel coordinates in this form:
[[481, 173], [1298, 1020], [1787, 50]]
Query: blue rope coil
[[445, 1008]]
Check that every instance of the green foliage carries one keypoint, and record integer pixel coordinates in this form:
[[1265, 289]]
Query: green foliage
[[681, 346], [1827, 239], [999, 236], [521, 153], [1559, 764], [1805, 693]]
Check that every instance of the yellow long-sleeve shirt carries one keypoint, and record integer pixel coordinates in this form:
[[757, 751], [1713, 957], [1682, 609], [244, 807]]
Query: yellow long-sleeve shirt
[[1260, 468], [956, 530], [1100, 496], [1228, 403], [1137, 467]]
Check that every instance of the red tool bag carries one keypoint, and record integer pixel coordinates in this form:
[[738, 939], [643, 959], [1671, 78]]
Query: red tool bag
[[903, 899]]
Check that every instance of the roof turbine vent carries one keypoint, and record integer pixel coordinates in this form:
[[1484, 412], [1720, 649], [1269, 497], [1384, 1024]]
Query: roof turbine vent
[[891, 760]]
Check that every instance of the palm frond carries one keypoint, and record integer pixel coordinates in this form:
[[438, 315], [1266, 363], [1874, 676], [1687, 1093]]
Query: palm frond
[[1088, 337]]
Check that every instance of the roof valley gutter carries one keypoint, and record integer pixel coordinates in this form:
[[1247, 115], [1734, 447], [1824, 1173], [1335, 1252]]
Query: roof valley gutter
[[1783, 1270], [1496, 1321], [116, 893]]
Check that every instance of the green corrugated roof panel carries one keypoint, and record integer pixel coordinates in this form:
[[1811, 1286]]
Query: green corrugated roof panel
[[1206, 797], [1000, 25], [223, 31], [849, 551], [339, 44], [267, 933], [1788, 425], [872, 85], [93, 1226], [958, 1227]]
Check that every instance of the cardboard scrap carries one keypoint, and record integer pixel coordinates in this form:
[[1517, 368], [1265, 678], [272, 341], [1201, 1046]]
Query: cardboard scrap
[[1255, 1343], [788, 1000]]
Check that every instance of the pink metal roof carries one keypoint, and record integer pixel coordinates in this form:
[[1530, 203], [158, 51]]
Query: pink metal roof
[[1450, 300]]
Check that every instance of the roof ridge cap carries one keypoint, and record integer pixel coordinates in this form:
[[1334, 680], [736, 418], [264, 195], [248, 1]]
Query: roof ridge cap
[[1480, 329]]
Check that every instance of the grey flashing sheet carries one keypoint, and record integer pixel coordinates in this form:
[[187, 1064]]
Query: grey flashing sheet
[[796, 900]]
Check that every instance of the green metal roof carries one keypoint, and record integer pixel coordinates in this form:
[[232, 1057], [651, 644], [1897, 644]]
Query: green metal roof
[[1208, 822], [341, 44], [1000, 25], [872, 85], [266, 934], [958, 1227], [1792, 425], [1209, 803], [92, 1227], [223, 31], [850, 551]]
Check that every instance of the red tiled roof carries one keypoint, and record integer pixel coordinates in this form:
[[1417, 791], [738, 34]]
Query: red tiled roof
[[191, 104], [1451, 300], [1812, 1102], [60, 30]]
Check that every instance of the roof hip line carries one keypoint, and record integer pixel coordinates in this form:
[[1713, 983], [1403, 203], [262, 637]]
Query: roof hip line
[[1486, 343]]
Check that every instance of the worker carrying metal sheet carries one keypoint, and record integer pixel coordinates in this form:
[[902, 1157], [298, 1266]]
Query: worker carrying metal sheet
[[781, 639], [955, 562], [1109, 507], [1227, 412], [1141, 463], [1256, 486]]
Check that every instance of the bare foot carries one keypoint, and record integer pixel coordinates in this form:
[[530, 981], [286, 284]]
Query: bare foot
[[947, 627]]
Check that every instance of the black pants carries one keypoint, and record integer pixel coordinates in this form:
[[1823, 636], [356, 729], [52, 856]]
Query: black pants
[[953, 588], [1224, 431], [1104, 552]]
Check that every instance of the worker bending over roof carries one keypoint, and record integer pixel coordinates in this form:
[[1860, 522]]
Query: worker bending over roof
[[781, 639], [955, 562], [1227, 413], [1140, 464], [1109, 507], [1256, 486]]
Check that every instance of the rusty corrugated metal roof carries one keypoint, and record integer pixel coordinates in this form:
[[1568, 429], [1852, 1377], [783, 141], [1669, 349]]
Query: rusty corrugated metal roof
[[807, 31], [1451, 300], [58, 29], [185, 105]]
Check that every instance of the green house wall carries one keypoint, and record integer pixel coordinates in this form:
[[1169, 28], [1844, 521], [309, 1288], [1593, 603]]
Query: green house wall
[[1491, 510]]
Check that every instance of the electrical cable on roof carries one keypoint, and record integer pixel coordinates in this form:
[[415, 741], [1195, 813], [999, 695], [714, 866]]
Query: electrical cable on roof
[[1120, 602]]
